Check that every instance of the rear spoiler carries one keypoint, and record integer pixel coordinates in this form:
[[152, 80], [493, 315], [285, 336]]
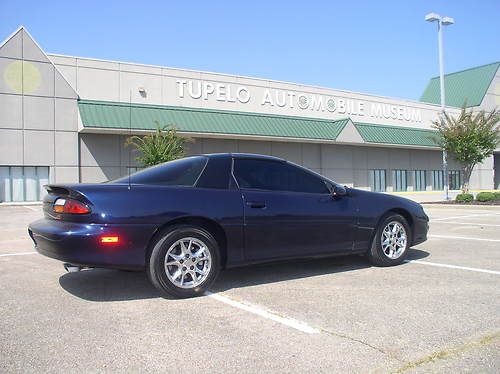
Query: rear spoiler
[[82, 191], [56, 190]]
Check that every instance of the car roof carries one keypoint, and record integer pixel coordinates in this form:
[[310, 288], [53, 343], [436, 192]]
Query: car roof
[[243, 155]]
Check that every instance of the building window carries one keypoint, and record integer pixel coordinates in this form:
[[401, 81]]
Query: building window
[[437, 180], [23, 183], [400, 180], [420, 180], [455, 179], [377, 180]]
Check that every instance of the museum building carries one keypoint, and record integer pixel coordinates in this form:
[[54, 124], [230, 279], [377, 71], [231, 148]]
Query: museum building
[[65, 119]]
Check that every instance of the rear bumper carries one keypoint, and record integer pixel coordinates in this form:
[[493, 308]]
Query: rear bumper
[[421, 227], [79, 244]]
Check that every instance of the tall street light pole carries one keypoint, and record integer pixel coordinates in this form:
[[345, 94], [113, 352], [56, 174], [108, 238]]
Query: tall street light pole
[[441, 22]]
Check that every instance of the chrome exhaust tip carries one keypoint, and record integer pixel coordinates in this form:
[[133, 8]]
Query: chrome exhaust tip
[[70, 268]]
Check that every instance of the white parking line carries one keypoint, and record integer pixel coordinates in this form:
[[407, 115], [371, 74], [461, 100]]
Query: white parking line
[[469, 224], [290, 322], [452, 266], [14, 240], [467, 216], [17, 254], [462, 238]]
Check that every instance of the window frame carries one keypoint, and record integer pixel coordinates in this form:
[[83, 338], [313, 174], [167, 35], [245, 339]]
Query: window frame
[[325, 181], [454, 176], [438, 175], [372, 172], [39, 177], [403, 179], [419, 173]]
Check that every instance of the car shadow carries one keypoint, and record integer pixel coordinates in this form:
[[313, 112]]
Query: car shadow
[[102, 285], [108, 285], [296, 269]]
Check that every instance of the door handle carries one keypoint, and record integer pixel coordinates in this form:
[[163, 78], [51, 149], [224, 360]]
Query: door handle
[[256, 204]]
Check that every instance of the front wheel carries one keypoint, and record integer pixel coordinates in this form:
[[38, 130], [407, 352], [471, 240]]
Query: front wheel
[[184, 261], [391, 241]]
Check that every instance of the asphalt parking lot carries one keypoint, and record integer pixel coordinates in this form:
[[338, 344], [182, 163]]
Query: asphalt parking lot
[[440, 312]]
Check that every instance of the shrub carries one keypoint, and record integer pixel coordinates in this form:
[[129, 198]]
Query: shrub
[[485, 196], [464, 198], [496, 195], [163, 145]]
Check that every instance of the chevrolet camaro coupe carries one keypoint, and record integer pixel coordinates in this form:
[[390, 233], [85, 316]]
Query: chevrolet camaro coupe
[[185, 220]]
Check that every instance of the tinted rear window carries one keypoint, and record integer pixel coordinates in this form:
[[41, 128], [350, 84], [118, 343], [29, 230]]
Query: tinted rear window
[[183, 172], [216, 173]]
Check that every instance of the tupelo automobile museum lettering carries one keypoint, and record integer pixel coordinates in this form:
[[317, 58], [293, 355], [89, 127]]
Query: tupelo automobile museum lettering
[[230, 93]]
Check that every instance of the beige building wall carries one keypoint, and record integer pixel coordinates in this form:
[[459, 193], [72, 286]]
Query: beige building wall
[[496, 166], [492, 98], [105, 157], [40, 123], [116, 81], [487, 175], [38, 111]]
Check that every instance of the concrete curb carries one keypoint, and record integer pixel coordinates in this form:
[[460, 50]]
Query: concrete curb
[[443, 205], [22, 203]]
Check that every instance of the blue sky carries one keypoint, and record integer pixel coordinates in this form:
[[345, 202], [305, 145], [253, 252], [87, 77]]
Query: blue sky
[[380, 47]]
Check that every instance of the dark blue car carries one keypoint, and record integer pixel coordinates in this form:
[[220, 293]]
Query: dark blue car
[[185, 220]]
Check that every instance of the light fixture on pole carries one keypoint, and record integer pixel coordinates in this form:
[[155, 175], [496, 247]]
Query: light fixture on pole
[[442, 21]]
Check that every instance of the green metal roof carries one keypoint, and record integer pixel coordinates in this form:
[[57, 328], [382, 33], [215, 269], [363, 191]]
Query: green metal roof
[[112, 115], [385, 134], [467, 85]]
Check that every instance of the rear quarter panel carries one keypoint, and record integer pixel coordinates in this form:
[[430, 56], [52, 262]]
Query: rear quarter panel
[[159, 205]]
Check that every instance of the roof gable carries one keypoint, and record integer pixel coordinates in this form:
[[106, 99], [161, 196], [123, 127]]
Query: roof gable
[[468, 85], [350, 134], [25, 68]]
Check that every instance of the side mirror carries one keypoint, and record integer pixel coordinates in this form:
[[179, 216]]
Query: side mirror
[[339, 191]]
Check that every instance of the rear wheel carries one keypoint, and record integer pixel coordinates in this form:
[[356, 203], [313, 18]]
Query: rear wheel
[[391, 241], [184, 261]]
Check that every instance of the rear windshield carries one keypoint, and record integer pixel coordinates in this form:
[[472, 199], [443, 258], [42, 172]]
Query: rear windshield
[[183, 172]]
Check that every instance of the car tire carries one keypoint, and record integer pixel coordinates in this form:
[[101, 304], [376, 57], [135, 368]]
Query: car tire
[[184, 261], [391, 241]]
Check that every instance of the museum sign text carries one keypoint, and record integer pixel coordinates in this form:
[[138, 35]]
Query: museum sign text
[[277, 98]]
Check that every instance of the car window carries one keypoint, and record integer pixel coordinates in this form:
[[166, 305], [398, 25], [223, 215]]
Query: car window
[[276, 176], [182, 172], [216, 173]]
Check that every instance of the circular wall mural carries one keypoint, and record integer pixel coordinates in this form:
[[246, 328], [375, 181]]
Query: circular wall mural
[[22, 76]]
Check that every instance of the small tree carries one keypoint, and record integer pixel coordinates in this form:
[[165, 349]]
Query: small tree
[[165, 144], [470, 138]]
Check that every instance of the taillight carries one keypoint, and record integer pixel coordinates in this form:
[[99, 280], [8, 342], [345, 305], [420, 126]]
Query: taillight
[[70, 206]]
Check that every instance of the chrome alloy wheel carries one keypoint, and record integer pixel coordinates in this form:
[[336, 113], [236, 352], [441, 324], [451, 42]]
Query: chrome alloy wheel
[[393, 240], [188, 262]]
